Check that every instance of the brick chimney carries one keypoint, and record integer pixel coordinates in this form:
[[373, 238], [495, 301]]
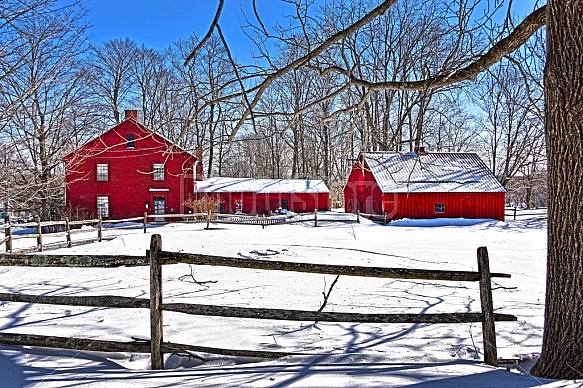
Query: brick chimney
[[198, 166], [132, 114]]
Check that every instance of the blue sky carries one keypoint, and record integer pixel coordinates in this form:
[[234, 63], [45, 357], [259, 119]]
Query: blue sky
[[159, 23]]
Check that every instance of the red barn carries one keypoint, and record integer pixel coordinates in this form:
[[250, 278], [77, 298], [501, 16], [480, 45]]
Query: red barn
[[260, 196], [424, 185], [127, 171]]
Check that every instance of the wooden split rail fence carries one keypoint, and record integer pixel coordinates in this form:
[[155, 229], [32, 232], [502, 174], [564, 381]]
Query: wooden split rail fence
[[65, 225], [380, 218], [155, 257], [523, 213], [69, 228]]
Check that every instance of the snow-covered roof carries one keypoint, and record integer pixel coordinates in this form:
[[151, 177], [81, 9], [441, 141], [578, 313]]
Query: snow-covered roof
[[431, 172], [260, 186]]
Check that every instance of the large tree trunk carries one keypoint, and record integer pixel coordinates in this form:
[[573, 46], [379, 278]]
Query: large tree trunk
[[563, 334]]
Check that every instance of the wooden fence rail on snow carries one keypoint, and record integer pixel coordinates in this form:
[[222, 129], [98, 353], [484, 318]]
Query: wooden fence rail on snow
[[68, 227], [67, 232], [513, 213], [155, 257], [382, 218], [243, 219]]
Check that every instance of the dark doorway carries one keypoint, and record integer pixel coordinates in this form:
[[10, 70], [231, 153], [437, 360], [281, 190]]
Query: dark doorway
[[159, 208]]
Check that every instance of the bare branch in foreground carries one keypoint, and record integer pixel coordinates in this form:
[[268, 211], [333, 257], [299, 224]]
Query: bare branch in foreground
[[517, 38], [214, 24], [327, 295]]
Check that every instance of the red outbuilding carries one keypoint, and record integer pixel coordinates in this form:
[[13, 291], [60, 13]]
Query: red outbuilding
[[424, 185], [127, 171], [262, 196]]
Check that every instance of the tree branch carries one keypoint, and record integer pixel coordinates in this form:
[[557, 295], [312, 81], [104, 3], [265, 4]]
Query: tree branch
[[517, 38], [381, 9], [214, 24], [236, 70], [327, 295]]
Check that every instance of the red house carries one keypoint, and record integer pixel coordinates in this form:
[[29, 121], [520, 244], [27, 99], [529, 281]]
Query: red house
[[260, 196], [424, 185], [127, 171]]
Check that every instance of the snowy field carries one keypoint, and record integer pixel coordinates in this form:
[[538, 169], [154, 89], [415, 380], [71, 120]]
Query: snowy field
[[343, 354]]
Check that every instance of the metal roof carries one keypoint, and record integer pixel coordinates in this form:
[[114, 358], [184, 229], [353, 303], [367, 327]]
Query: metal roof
[[260, 186], [431, 172]]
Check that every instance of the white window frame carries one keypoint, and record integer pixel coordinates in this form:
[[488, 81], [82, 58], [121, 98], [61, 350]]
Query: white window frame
[[102, 170], [239, 205], [103, 206], [159, 171], [440, 208]]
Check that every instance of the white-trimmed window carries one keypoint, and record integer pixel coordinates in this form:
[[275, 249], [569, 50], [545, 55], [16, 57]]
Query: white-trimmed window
[[103, 206], [239, 206], [158, 171], [440, 207], [102, 172]]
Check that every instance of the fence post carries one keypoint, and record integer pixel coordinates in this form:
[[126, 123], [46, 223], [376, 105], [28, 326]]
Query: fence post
[[156, 333], [385, 215], [8, 233], [145, 221], [358, 216], [39, 235], [263, 222], [488, 328], [99, 229], [514, 213], [68, 232], [208, 219], [315, 217]]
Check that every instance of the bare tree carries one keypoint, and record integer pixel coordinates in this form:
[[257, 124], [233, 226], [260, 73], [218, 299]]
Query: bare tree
[[207, 78], [452, 128], [46, 90], [214, 71], [111, 81], [513, 128]]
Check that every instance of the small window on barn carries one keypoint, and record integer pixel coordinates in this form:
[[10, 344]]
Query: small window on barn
[[102, 172], [130, 140], [239, 206], [103, 206], [158, 171], [440, 207], [285, 204]]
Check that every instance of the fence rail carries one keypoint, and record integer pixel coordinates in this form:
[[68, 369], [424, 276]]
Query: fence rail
[[374, 217], [9, 236], [155, 258], [523, 213], [99, 226], [69, 228]]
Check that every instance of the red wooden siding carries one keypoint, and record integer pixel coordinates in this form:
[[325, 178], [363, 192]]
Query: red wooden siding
[[130, 185], [456, 205], [258, 203]]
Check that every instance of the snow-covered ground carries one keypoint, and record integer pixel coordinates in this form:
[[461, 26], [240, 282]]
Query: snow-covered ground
[[344, 354]]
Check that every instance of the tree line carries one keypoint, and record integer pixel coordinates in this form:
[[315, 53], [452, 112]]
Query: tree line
[[58, 90]]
